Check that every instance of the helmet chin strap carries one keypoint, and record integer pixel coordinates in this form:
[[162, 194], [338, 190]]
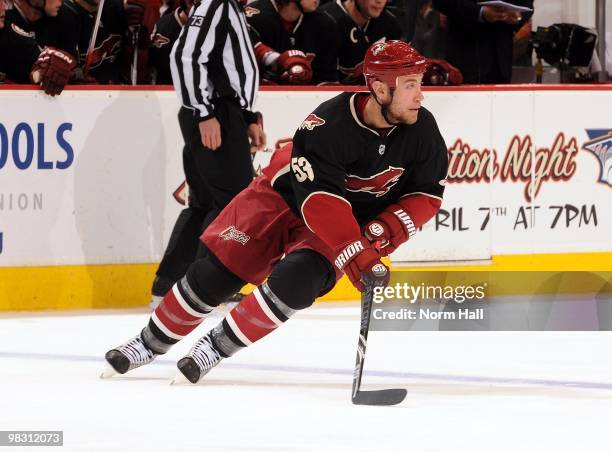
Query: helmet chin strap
[[384, 108]]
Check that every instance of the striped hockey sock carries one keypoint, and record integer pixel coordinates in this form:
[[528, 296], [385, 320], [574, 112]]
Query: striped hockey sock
[[178, 314], [256, 316]]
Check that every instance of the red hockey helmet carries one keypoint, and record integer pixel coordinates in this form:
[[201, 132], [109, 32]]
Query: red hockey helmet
[[386, 61]]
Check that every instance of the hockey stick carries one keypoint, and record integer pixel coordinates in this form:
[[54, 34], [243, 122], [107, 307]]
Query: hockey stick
[[134, 69], [92, 41], [377, 397]]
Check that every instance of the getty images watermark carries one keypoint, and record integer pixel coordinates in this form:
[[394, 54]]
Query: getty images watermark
[[401, 302], [494, 301]]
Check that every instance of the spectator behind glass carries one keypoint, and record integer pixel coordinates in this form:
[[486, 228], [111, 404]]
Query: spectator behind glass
[[480, 38], [359, 23], [294, 43]]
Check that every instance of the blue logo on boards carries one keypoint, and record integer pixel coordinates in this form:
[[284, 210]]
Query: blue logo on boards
[[25, 146], [600, 144]]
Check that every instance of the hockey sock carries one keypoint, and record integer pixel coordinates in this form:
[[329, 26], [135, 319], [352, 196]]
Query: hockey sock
[[179, 313], [256, 316]]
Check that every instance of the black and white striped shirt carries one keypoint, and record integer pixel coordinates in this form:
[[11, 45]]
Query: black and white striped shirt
[[213, 57]]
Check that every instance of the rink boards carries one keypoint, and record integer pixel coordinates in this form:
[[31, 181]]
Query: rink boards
[[86, 185]]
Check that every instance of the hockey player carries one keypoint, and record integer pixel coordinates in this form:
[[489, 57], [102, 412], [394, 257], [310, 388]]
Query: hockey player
[[109, 62], [365, 172], [359, 23], [21, 58], [76, 21], [294, 43]]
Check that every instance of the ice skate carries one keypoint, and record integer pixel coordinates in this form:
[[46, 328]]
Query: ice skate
[[199, 361], [126, 357]]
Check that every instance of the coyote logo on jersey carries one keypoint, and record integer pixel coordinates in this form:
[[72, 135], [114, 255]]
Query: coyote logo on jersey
[[600, 144], [107, 50], [249, 11], [378, 185], [158, 40], [311, 122]]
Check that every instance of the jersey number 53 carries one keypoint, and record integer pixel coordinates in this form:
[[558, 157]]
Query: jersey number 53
[[302, 169]]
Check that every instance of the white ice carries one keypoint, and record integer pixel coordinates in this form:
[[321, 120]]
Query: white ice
[[467, 391]]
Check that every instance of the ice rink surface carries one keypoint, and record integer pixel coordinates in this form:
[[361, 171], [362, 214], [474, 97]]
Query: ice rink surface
[[467, 391]]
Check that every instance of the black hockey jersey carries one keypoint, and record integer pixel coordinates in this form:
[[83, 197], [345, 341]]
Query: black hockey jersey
[[18, 48], [354, 40], [313, 34], [335, 153], [77, 24], [165, 33]]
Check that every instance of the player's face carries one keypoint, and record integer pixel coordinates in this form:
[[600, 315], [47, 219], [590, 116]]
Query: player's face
[[374, 8], [2, 13], [52, 7], [309, 5], [407, 99]]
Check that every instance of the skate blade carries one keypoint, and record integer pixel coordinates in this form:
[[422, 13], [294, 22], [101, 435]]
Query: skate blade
[[107, 372], [179, 379]]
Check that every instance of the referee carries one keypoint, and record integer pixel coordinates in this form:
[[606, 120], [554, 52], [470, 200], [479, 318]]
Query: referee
[[215, 75]]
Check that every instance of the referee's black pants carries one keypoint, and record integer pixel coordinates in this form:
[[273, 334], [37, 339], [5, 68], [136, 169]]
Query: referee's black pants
[[214, 178]]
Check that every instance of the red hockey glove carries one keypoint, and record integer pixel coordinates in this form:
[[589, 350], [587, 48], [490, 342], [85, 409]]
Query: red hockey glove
[[295, 67], [134, 12], [379, 235], [441, 72], [389, 230], [52, 70], [361, 263]]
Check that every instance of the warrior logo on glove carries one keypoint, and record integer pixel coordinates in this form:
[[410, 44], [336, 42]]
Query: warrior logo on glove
[[295, 67], [348, 253]]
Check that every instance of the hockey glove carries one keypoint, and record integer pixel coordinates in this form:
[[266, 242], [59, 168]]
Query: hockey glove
[[390, 229], [441, 72], [361, 264], [295, 68], [52, 70]]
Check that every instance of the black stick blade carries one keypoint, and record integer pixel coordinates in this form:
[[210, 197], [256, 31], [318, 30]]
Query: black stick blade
[[383, 397]]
